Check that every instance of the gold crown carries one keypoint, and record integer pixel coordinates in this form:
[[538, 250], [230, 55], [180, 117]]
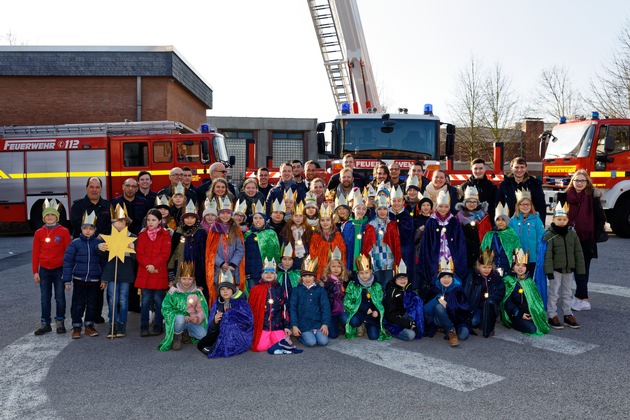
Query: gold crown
[[401, 268], [471, 193], [520, 257], [326, 210], [522, 194], [224, 204], [179, 189], [259, 207], [363, 263], [310, 264], [118, 212], [187, 269], [226, 277], [52, 204], [486, 257], [340, 200], [190, 208], [446, 266], [278, 206], [298, 208], [330, 195], [89, 218], [287, 250], [289, 193], [561, 210]]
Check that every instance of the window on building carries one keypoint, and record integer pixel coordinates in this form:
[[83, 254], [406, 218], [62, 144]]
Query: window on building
[[237, 134], [287, 146], [162, 152], [136, 154]]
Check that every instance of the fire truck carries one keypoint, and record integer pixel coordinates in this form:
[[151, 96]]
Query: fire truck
[[39, 162], [602, 148]]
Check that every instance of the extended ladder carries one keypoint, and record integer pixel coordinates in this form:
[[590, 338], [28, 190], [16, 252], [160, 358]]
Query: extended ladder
[[123, 128]]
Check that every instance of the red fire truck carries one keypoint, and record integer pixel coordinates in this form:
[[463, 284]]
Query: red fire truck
[[602, 148], [39, 162]]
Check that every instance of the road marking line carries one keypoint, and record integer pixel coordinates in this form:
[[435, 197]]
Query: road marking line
[[451, 375], [548, 342], [24, 365], [609, 289]]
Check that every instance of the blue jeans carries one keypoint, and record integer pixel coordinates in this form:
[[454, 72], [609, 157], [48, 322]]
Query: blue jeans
[[372, 325], [84, 298], [148, 296], [310, 338], [121, 302], [335, 320], [441, 319], [406, 334], [50, 279], [195, 330]]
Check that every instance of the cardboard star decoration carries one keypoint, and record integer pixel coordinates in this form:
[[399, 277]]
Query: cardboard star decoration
[[118, 244]]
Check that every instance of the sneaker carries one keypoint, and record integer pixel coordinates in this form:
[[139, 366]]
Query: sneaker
[[361, 330], [156, 330], [61, 328], [571, 322], [580, 305], [91, 331], [110, 333], [43, 329], [144, 332], [555, 323], [452, 338], [76, 332], [121, 329]]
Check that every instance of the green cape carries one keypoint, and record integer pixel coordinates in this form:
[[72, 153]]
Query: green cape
[[352, 301], [509, 240], [175, 304], [534, 301]]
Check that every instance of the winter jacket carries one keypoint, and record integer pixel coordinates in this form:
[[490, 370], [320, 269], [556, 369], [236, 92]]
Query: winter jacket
[[126, 271], [395, 312], [476, 286], [506, 193], [277, 193], [136, 210], [564, 252], [260, 244], [487, 192], [101, 209], [309, 307], [49, 247], [81, 261], [530, 231], [154, 253]]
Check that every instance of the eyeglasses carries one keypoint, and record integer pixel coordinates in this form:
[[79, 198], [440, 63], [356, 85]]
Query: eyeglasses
[[178, 175], [579, 181], [222, 172], [132, 186]]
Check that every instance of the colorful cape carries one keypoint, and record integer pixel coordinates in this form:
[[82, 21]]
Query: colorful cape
[[258, 302], [212, 245], [322, 249], [294, 278], [540, 278], [175, 304], [236, 329], [534, 301], [415, 309], [268, 243], [352, 301], [509, 240]]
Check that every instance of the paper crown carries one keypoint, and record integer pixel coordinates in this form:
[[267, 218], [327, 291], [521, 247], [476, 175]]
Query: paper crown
[[309, 265], [118, 212], [382, 201], [356, 198], [397, 192], [413, 182], [187, 269], [561, 209], [383, 188], [520, 257], [89, 219], [446, 266], [443, 197], [330, 195], [278, 206], [426, 197], [336, 254], [326, 210], [210, 205], [259, 207], [471, 193], [224, 204], [240, 207], [190, 210], [287, 250], [363, 263], [290, 194], [298, 208], [179, 189], [369, 191], [522, 194], [340, 200], [269, 266], [50, 207], [501, 211], [486, 257], [161, 201], [310, 200], [226, 277], [401, 268]]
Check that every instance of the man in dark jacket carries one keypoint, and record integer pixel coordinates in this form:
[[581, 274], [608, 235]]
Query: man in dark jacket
[[136, 206], [176, 175], [92, 202], [286, 182], [520, 179]]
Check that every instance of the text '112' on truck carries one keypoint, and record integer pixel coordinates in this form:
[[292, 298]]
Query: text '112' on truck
[[602, 148]]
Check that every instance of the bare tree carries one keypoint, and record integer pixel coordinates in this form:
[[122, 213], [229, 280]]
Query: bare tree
[[555, 94], [611, 91]]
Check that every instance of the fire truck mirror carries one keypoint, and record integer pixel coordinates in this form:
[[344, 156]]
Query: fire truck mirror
[[609, 144], [321, 143], [232, 160], [320, 127], [450, 129], [205, 154], [450, 144]]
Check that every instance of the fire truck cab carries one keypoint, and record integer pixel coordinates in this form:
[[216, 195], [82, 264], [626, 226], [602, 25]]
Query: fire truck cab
[[602, 148]]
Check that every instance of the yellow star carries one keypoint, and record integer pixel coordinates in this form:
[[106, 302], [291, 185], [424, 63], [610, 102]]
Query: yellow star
[[118, 244]]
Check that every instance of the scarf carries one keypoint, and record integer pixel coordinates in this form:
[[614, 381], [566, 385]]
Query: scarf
[[222, 228], [433, 192], [366, 283], [299, 249], [466, 217], [153, 233], [581, 214]]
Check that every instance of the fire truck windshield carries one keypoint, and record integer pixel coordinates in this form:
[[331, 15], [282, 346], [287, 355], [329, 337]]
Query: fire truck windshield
[[409, 136], [570, 140]]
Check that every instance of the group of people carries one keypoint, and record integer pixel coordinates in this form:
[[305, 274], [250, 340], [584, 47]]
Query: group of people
[[232, 271]]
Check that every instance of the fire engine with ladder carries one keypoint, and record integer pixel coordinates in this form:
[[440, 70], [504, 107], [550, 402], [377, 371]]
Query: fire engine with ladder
[[39, 162], [602, 148]]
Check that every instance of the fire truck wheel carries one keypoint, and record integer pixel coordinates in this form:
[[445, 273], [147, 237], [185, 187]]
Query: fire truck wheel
[[620, 220]]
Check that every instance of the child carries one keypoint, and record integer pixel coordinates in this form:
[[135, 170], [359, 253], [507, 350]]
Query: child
[[161, 203], [49, 244], [406, 230], [288, 273], [501, 240], [563, 259], [82, 266], [326, 238], [231, 326], [447, 306], [473, 216], [309, 308], [152, 252], [277, 221], [522, 308], [268, 303], [381, 242], [528, 226], [426, 209], [240, 218], [335, 277], [310, 209], [119, 275], [209, 214], [178, 204], [404, 310], [364, 304], [358, 221], [224, 250], [188, 244], [485, 290], [184, 309], [261, 242], [298, 233]]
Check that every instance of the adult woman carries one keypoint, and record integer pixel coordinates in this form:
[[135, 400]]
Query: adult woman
[[219, 190], [439, 182], [587, 216], [318, 187], [250, 195]]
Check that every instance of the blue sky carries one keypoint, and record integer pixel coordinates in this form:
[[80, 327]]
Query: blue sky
[[262, 58]]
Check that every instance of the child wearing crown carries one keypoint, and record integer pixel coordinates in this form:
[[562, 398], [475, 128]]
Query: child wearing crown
[[184, 309], [355, 230], [269, 307], [209, 214], [261, 243], [363, 303], [177, 205], [335, 278], [188, 244], [277, 221], [231, 326], [325, 239], [406, 230], [501, 240], [162, 205], [528, 226], [473, 216], [485, 290], [311, 209], [288, 270], [447, 306], [404, 310], [563, 259], [309, 308], [522, 307], [49, 244], [240, 218], [298, 233]]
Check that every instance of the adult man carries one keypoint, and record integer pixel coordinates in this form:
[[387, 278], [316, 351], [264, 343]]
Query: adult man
[[92, 202], [310, 168], [187, 179], [176, 175], [486, 188], [136, 206], [217, 170], [520, 179], [394, 174], [417, 170], [144, 187], [262, 175], [298, 171], [347, 183], [347, 162], [286, 182]]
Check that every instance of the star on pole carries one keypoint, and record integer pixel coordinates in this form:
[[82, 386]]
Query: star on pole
[[118, 244]]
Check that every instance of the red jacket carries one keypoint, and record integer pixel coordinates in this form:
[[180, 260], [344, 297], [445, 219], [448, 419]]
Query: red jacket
[[49, 245], [154, 253], [392, 238]]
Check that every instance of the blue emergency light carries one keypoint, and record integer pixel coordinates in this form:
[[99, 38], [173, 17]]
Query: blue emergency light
[[563, 120], [595, 115], [345, 108], [205, 128], [428, 109]]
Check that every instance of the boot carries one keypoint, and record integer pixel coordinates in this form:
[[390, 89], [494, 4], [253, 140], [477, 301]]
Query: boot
[[111, 333], [61, 328], [121, 329], [45, 327], [186, 337], [452, 338], [177, 342]]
